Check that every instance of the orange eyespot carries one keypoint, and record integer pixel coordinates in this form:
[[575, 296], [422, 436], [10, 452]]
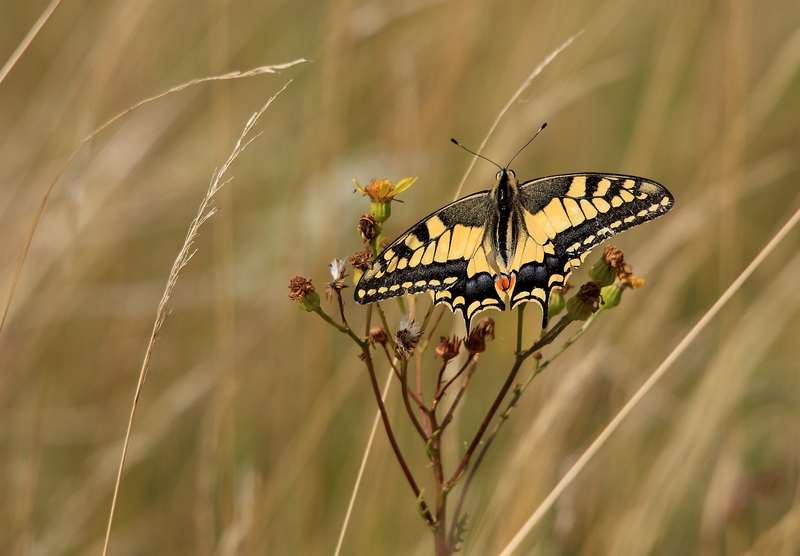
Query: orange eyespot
[[505, 283]]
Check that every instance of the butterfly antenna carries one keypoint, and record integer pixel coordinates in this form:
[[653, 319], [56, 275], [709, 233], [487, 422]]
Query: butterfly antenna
[[544, 125], [476, 154]]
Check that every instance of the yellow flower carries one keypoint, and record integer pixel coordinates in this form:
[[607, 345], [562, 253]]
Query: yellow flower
[[381, 193]]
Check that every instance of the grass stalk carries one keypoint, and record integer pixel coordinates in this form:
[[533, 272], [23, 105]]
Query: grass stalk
[[204, 212]]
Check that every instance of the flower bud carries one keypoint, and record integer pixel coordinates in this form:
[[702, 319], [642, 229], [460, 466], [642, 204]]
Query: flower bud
[[556, 304], [611, 296]]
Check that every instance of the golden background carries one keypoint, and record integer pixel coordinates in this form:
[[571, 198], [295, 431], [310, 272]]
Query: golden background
[[254, 417]]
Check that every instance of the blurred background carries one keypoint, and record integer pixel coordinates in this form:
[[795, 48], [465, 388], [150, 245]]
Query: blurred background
[[253, 420]]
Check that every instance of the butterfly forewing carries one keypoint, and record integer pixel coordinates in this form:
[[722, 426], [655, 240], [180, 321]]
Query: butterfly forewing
[[565, 216], [445, 253]]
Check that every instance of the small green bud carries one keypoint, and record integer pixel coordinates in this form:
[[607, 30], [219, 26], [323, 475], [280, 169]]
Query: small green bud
[[603, 273], [557, 303], [611, 296]]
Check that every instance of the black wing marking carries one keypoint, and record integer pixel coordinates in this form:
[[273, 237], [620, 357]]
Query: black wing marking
[[564, 217], [444, 253]]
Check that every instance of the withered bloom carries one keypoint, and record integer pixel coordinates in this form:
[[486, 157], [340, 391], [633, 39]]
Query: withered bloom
[[362, 262], [302, 291], [299, 287], [586, 302], [407, 336], [448, 347], [367, 227], [377, 335], [476, 343], [337, 278]]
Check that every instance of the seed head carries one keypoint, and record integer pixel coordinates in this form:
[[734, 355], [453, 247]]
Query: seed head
[[337, 278], [377, 335], [448, 347], [476, 343], [406, 337]]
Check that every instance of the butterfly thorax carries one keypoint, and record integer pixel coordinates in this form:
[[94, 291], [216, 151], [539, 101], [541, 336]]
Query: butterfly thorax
[[505, 224]]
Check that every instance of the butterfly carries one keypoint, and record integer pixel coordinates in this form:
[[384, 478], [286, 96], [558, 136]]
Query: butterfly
[[512, 244]]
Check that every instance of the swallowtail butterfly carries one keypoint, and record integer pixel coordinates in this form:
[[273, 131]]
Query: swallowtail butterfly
[[511, 244]]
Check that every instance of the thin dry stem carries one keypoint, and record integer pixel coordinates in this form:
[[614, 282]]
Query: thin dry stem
[[511, 101], [363, 465], [592, 450], [26, 42], [204, 212], [232, 75]]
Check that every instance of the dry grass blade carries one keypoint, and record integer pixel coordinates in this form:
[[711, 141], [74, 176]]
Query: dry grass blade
[[592, 450], [512, 100], [26, 42], [204, 212], [363, 465], [232, 75]]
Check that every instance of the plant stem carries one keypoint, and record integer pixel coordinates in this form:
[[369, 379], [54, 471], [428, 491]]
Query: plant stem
[[538, 368], [407, 403], [367, 358], [546, 339]]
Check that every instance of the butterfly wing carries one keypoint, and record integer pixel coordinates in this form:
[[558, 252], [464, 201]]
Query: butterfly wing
[[444, 253], [563, 217]]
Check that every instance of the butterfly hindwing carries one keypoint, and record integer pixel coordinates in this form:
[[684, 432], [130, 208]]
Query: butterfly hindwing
[[564, 217], [444, 253]]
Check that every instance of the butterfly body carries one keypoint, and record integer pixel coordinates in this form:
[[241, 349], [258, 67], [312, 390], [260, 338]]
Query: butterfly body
[[512, 244]]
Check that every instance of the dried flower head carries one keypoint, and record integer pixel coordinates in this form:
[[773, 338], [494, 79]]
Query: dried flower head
[[584, 303], [406, 337], [302, 290], [448, 347], [337, 278], [377, 335], [362, 262], [476, 343], [367, 227], [604, 271], [299, 287]]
